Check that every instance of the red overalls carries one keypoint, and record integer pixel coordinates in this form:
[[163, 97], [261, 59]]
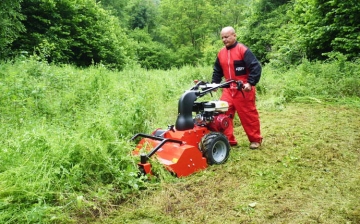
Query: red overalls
[[234, 68]]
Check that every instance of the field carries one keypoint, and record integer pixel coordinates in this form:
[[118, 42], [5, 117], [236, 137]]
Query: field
[[307, 171], [65, 150]]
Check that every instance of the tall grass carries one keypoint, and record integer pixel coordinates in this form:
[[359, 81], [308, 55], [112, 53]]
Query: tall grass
[[62, 151], [65, 154], [333, 81], [65, 150]]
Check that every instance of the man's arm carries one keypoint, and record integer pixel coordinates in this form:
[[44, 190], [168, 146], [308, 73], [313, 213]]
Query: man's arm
[[254, 67], [217, 72]]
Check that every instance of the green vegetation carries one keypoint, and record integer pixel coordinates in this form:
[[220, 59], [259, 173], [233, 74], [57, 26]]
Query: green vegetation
[[307, 172], [160, 34], [65, 154], [79, 77], [65, 131]]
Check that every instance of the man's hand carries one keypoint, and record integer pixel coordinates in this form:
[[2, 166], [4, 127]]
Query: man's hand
[[247, 87]]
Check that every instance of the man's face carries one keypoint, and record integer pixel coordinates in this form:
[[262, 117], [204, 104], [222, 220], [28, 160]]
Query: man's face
[[228, 37]]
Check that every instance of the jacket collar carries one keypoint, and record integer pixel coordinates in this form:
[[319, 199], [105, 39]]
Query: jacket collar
[[232, 46]]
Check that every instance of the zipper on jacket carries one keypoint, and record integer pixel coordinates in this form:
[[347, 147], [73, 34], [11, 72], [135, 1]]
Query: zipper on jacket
[[230, 75]]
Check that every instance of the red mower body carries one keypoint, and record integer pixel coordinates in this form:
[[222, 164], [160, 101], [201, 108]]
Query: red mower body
[[181, 158], [192, 143]]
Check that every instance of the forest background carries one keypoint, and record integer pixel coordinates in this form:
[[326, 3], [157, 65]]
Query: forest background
[[164, 34], [72, 93]]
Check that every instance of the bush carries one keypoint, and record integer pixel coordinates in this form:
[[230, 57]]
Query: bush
[[77, 32]]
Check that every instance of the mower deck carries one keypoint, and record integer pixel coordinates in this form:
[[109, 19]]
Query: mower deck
[[178, 151]]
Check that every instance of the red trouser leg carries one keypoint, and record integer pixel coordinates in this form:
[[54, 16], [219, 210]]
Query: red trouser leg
[[247, 112]]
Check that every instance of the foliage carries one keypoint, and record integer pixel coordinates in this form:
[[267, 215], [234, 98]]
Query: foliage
[[286, 46], [117, 8], [65, 131], [10, 25], [192, 27], [75, 32], [65, 153], [151, 54], [329, 26], [142, 14], [65, 136], [65, 150], [86, 32], [285, 32], [264, 28], [333, 80], [185, 22], [344, 20]]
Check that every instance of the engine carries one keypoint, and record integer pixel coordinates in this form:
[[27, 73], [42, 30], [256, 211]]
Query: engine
[[212, 115]]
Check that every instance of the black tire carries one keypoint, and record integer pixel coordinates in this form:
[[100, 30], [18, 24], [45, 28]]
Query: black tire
[[215, 147]]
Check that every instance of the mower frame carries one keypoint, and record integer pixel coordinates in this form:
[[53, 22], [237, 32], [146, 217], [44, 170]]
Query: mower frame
[[185, 148]]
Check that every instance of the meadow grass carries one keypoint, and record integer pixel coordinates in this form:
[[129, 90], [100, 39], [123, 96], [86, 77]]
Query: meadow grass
[[307, 171], [65, 150]]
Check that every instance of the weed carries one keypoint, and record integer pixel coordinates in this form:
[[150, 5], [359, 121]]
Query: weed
[[65, 155]]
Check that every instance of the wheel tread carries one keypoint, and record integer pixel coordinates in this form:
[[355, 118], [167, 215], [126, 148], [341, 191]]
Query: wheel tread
[[207, 143]]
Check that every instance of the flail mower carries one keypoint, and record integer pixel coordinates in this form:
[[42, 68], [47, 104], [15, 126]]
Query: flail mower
[[196, 139]]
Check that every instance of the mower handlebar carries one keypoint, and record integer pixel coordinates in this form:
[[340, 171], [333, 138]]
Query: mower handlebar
[[209, 87]]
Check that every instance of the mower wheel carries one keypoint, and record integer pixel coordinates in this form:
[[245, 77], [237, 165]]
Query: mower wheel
[[215, 147]]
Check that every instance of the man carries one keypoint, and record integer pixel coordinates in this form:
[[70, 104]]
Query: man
[[236, 62]]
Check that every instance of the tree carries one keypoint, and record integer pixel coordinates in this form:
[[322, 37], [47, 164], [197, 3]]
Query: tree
[[340, 25], [328, 25], [262, 31], [73, 31], [151, 54], [10, 25], [184, 27], [117, 8], [142, 14]]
